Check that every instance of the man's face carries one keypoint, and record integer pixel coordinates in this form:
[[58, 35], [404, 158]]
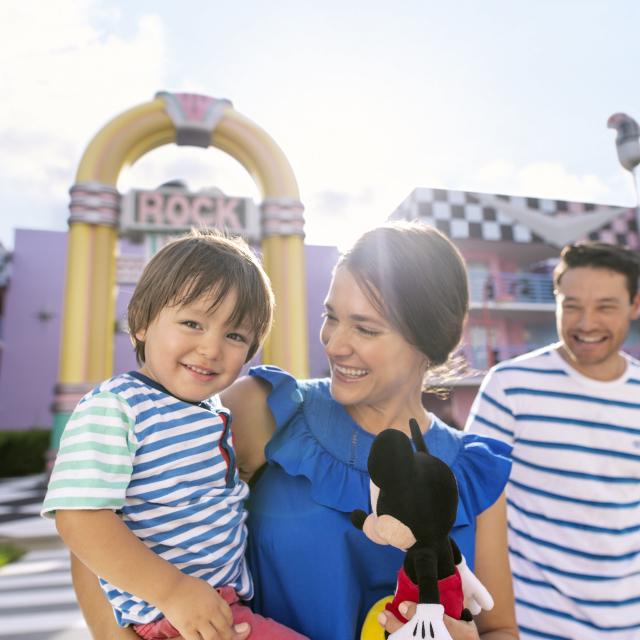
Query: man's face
[[593, 314]]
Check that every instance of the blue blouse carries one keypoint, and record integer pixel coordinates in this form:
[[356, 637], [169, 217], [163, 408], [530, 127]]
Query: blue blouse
[[313, 570]]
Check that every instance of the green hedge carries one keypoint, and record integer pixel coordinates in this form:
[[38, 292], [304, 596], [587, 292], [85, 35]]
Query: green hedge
[[9, 553], [23, 452]]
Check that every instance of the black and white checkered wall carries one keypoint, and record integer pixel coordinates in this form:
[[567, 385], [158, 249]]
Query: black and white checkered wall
[[463, 214]]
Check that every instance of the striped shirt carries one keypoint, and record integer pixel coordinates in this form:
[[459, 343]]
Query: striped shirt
[[168, 468], [573, 496]]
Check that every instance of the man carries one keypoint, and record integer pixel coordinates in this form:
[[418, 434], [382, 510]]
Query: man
[[571, 411]]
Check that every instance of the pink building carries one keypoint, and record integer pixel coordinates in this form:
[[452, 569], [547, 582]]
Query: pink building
[[511, 245]]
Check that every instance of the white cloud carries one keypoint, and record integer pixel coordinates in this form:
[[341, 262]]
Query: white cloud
[[199, 168], [544, 180], [31, 29], [62, 81], [64, 71]]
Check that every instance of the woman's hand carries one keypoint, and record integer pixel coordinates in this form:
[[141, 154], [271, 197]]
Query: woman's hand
[[461, 630], [458, 629]]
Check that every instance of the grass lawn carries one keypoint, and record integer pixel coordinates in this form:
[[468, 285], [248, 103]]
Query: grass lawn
[[9, 553]]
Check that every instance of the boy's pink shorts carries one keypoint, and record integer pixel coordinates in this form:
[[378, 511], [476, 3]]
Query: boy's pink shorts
[[261, 628]]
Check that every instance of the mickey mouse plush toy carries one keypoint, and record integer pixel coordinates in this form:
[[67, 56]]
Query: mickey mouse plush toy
[[414, 498]]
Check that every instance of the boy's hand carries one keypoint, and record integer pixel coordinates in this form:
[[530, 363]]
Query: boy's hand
[[198, 612]]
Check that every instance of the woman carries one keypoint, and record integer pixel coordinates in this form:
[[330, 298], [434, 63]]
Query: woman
[[394, 311]]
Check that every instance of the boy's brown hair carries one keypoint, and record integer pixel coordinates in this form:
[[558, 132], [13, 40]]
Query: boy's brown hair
[[203, 262]]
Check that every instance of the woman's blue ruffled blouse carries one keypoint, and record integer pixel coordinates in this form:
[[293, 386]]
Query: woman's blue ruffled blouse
[[313, 571]]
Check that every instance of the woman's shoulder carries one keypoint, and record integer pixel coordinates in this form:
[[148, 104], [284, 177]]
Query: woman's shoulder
[[288, 394], [278, 377], [314, 438]]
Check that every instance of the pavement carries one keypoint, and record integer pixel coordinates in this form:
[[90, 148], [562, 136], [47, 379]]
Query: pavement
[[37, 601]]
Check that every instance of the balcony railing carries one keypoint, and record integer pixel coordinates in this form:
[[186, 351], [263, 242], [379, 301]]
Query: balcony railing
[[533, 288], [482, 358]]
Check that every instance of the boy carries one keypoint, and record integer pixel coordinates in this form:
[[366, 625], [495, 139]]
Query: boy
[[145, 489]]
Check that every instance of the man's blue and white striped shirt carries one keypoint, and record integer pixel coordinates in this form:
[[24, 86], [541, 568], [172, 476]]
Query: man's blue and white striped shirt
[[573, 496], [168, 467]]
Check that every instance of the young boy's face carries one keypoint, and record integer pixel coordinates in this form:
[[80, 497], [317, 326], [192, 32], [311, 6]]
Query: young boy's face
[[195, 354]]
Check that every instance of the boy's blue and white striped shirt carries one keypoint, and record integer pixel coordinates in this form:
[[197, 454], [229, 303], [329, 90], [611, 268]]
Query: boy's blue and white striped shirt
[[168, 466], [573, 496]]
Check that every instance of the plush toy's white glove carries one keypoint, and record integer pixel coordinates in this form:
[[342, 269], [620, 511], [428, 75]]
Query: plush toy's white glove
[[476, 596], [427, 623]]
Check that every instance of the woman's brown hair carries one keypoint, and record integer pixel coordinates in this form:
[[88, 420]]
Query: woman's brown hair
[[417, 279]]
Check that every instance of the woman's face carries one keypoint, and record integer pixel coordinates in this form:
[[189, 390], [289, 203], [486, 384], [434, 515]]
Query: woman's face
[[372, 366]]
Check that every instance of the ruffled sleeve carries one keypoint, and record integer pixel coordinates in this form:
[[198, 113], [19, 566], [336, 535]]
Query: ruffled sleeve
[[285, 399], [316, 439], [482, 469]]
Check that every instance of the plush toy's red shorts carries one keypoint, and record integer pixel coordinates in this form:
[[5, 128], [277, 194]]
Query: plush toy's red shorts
[[263, 628], [451, 597]]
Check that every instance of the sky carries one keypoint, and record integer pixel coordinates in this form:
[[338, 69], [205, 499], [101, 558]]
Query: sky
[[367, 99]]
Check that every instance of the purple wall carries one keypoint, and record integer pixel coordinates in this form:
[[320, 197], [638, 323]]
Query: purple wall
[[32, 328], [319, 263], [32, 323]]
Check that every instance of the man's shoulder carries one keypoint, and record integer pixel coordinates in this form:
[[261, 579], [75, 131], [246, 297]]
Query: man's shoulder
[[541, 360], [633, 361], [633, 369]]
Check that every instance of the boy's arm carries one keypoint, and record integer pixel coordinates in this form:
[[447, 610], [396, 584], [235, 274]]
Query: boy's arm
[[106, 546]]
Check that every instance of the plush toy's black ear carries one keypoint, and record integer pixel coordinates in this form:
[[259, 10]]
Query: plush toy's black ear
[[416, 434], [358, 516], [390, 458]]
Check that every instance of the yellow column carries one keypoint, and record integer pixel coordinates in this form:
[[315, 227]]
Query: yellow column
[[86, 355], [283, 255], [283, 237], [87, 328]]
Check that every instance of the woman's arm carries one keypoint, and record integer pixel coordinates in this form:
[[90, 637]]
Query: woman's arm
[[252, 423], [493, 570], [94, 605]]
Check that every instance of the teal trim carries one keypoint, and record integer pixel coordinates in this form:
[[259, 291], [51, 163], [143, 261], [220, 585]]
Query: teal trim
[[59, 423]]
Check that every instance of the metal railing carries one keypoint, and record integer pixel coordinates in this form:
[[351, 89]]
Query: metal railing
[[511, 287]]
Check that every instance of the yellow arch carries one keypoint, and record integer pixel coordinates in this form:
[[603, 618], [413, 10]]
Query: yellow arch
[[148, 126], [87, 340]]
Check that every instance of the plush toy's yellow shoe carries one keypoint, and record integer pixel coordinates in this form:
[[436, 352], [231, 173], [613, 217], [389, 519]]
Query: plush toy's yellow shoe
[[371, 629]]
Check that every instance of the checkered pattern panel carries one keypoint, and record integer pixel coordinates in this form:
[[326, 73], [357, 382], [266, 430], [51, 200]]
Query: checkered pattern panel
[[622, 231], [463, 214]]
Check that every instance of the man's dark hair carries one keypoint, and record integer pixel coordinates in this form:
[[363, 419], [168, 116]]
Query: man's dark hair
[[600, 255]]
